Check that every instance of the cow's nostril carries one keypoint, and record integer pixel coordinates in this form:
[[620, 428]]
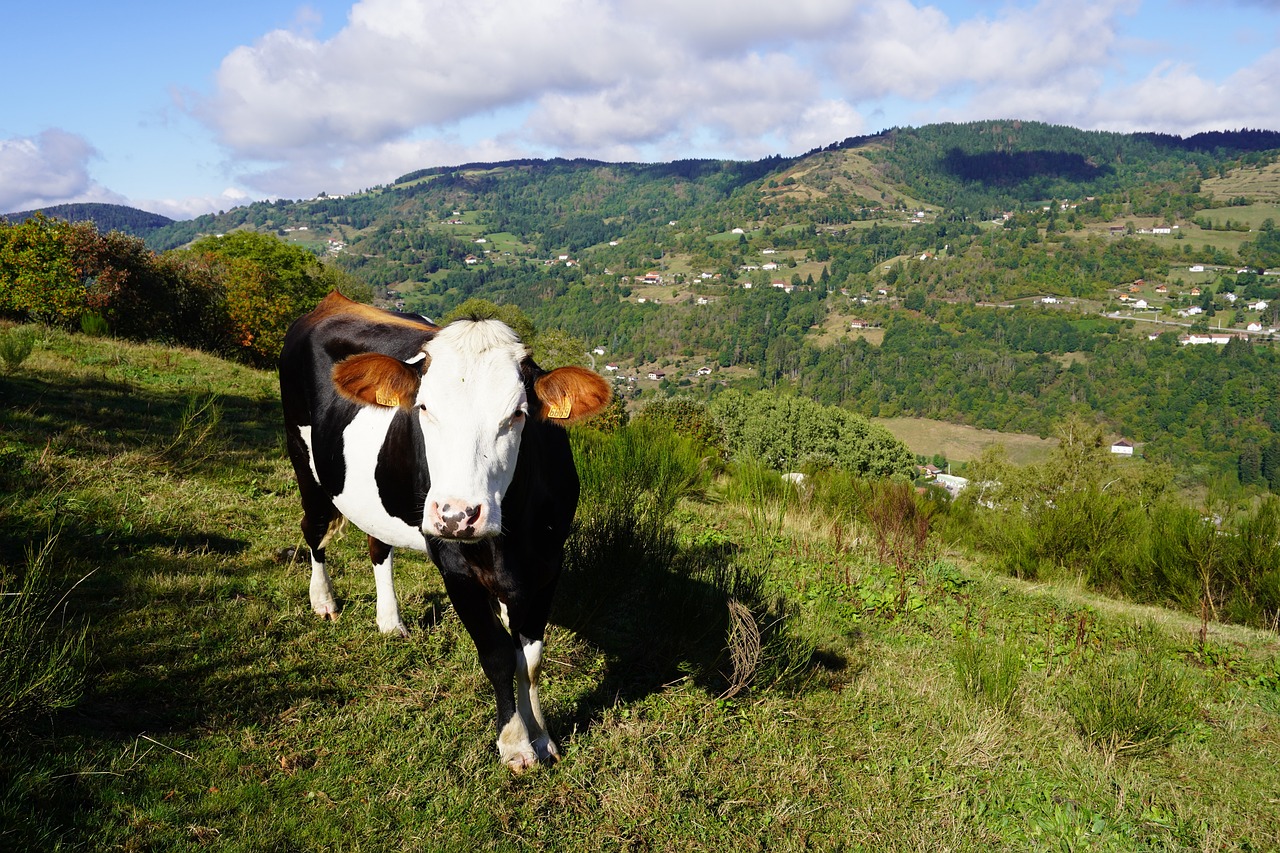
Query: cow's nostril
[[473, 514]]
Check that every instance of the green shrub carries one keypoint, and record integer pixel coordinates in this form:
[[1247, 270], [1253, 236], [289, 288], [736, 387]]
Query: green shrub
[[94, 325], [16, 345]]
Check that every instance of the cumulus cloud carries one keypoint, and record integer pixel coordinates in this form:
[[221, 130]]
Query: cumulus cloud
[[918, 53], [1247, 98], [410, 83], [400, 64], [49, 168], [187, 208]]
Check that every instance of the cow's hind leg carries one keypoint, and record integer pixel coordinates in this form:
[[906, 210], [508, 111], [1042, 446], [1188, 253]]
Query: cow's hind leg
[[388, 605], [493, 643], [321, 521]]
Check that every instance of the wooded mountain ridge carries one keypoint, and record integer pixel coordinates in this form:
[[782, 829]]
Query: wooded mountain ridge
[[756, 270]]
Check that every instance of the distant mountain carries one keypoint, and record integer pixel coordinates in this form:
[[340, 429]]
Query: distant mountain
[[107, 217]]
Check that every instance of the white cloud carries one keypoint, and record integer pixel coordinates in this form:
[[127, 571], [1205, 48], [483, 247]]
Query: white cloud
[[366, 167], [49, 168], [917, 52], [401, 64], [409, 83], [1173, 98], [823, 123], [187, 208], [733, 102]]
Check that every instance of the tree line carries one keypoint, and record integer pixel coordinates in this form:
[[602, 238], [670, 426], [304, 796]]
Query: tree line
[[233, 295]]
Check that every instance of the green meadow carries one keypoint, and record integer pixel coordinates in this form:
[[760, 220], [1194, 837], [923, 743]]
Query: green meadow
[[733, 663]]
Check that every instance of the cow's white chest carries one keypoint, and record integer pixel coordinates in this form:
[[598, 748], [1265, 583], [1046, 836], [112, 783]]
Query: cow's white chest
[[360, 500]]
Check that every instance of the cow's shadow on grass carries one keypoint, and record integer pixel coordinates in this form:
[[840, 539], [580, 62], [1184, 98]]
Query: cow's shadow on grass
[[663, 611]]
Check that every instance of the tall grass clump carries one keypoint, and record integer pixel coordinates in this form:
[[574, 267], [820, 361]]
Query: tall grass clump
[[1130, 704], [41, 659], [659, 608], [991, 673], [94, 325], [764, 496], [16, 345]]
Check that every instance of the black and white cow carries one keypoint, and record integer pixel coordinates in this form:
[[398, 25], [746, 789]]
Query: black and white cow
[[447, 440]]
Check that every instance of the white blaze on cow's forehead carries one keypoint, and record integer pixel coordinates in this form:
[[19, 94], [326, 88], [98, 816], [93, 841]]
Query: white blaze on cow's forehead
[[474, 362], [476, 337]]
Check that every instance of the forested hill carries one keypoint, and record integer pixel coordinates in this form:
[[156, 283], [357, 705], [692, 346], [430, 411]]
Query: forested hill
[[106, 217], [1000, 274], [977, 168]]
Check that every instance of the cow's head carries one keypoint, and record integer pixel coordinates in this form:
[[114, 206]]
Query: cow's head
[[473, 390]]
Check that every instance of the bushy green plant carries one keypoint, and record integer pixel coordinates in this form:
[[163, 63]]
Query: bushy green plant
[[94, 325], [687, 417], [16, 345]]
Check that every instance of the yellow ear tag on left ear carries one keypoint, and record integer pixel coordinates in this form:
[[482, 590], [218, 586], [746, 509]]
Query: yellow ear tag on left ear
[[386, 398], [560, 409]]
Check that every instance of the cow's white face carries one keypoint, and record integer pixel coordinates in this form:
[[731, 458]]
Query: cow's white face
[[471, 401], [472, 407]]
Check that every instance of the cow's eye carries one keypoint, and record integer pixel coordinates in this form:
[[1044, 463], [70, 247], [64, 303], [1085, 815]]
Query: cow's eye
[[517, 415]]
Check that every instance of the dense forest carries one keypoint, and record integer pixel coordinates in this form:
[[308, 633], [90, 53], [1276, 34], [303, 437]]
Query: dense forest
[[104, 217]]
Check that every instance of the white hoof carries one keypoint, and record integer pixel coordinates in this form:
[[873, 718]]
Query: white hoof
[[323, 604], [324, 607], [394, 629], [520, 761]]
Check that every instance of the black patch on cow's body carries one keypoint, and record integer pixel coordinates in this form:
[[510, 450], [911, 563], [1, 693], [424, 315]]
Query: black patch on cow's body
[[401, 473]]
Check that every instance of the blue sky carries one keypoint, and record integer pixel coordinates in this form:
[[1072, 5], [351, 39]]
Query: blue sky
[[187, 108]]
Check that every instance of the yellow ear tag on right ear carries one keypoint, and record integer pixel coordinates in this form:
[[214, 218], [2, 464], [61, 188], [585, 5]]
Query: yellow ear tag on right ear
[[386, 398], [560, 409]]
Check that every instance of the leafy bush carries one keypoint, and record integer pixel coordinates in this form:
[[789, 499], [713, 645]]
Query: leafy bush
[[687, 417]]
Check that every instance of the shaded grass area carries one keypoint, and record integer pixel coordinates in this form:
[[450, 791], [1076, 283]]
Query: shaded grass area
[[217, 712]]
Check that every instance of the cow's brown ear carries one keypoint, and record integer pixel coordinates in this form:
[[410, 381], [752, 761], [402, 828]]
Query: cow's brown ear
[[571, 394], [378, 380]]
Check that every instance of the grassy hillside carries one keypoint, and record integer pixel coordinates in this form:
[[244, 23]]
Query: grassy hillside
[[960, 443], [912, 703]]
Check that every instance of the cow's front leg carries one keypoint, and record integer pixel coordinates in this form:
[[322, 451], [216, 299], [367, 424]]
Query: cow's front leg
[[528, 669], [529, 626], [498, 660], [384, 579]]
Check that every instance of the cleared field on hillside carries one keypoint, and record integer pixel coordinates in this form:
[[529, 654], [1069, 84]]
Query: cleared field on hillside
[[1252, 215], [960, 443], [1255, 184]]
